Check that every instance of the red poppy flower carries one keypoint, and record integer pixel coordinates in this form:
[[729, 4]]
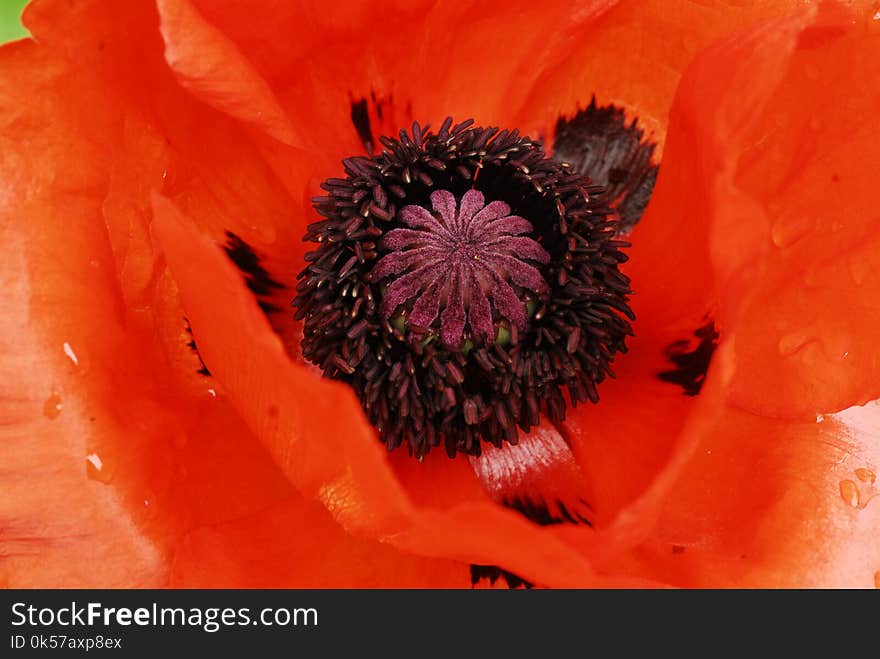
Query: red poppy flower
[[161, 426]]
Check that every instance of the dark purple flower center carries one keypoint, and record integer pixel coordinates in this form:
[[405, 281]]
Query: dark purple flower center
[[467, 263], [465, 285]]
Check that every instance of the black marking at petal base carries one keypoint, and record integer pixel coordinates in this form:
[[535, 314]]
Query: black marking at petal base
[[691, 362], [545, 514], [599, 144], [380, 103], [203, 370], [257, 278], [360, 117], [493, 573]]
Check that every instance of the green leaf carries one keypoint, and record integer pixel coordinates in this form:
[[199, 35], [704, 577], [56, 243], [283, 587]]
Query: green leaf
[[10, 23]]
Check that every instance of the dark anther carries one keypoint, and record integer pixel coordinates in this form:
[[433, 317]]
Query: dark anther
[[360, 117], [462, 283], [691, 361], [599, 144], [203, 370], [549, 514], [493, 573], [258, 280]]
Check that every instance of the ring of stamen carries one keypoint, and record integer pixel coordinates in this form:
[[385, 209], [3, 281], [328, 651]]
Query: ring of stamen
[[462, 281]]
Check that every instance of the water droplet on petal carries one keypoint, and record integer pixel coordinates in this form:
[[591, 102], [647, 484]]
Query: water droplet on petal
[[169, 180], [96, 469], [70, 353], [866, 475], [791, 343], [849, 492], [820, 418], [52, 406]]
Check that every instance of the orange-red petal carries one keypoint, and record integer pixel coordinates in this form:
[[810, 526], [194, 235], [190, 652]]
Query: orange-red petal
[[771, 503], [732, 266], [806, 342], [210, 65], [136, 456], [319, 60], [631, 443], [634, 56]]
